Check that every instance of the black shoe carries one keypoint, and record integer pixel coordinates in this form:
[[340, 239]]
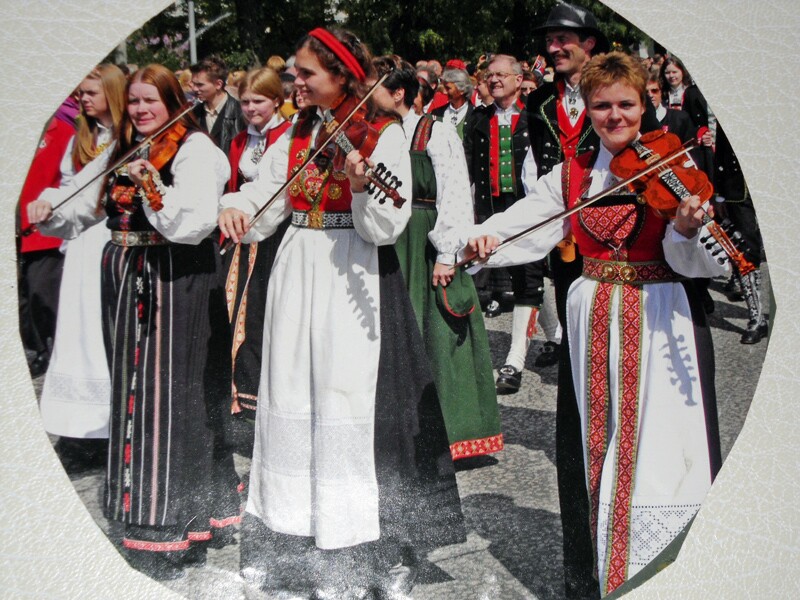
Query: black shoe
[[38, 366], [754, 334], [549, 355], [510, 379], [493, 309]]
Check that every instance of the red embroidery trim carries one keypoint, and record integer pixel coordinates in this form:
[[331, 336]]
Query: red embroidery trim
[[200, 536], [477, 447], [627, 439], [155, 546], [220, 523]]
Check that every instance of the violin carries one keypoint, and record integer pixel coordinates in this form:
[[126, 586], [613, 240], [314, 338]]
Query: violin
[[164, 146], [377, 178], [162, 149], [357, 134], [132, 154], [663, 188]]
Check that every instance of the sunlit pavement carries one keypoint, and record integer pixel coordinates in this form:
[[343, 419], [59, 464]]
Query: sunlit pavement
[[513, 548]]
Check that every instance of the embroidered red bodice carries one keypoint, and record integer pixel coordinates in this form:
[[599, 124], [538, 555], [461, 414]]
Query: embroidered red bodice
[[636, 230]]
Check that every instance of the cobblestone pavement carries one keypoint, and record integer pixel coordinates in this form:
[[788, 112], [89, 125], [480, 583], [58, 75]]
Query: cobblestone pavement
[[513, 548]]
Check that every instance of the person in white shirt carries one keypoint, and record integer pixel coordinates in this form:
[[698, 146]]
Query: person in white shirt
[[642, 361]]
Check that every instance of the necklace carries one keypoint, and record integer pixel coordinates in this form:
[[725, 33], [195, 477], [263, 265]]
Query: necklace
[[572, 100], [258, 151]]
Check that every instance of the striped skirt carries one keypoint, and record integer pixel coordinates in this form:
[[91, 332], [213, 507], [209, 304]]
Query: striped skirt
[[170, 478]]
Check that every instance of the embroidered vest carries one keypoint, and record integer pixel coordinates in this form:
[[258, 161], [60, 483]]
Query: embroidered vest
[[617, 228], [123, 204]]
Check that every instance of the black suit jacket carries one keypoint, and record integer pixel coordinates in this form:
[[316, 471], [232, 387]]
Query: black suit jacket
[[679, 123], [228, 124], [476, 149], [543, 128]]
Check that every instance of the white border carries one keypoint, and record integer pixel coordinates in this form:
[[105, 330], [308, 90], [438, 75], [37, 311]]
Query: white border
[[744, 542]]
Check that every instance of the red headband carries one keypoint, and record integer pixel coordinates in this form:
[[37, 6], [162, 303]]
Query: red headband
[[340, 50]]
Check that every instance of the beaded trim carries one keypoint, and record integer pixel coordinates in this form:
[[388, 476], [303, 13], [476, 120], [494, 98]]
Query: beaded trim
[[322, 220], [138, 238]]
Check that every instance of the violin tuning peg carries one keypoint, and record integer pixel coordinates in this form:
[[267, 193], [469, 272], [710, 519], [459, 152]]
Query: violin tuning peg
[[704, 239]]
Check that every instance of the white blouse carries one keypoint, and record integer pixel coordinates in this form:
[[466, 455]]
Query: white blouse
[[686, 256], [254, 150], [200, 171], [380, 224], [453, 195]]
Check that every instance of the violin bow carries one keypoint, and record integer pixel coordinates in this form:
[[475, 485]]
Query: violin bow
[[226, 245], [122, 160], [472, 261]]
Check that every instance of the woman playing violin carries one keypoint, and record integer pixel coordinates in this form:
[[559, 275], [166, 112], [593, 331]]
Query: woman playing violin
[[641, 352], [165, 328], [348, 427], [75, 396]]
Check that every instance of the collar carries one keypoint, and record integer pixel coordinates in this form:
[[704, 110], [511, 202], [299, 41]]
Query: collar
[[271, 124], [214, 110], [410, 123]]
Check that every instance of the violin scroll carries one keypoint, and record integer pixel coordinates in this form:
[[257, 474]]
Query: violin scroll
[[382, 181], [724, 239]]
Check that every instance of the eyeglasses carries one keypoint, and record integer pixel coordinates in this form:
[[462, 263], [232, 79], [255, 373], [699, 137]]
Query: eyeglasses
[[489, 74]]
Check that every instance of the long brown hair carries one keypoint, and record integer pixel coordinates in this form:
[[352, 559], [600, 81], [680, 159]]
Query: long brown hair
[[112, 82], [171, 94]]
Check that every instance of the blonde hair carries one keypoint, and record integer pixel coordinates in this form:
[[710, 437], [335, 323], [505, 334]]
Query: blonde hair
[[276, 62], [613, 67], [264, 81], [112, 82]]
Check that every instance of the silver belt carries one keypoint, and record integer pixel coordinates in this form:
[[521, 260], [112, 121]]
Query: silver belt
[[322, 220], [138, 238]]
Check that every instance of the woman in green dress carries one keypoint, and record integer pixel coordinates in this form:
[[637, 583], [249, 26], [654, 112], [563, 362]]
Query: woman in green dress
[[444, 302]]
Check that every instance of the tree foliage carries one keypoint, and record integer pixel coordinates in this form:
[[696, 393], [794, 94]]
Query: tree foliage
[[417, 29]]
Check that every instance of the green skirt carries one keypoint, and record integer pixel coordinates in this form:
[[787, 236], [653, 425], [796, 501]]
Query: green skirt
[[457, 346]]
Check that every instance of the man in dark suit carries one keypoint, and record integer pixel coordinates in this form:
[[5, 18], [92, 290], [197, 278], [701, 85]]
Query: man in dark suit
[[496, 145], [219, 114], [560, 128]]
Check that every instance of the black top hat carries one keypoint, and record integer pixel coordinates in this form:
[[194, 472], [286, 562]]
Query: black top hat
[[568, 16]]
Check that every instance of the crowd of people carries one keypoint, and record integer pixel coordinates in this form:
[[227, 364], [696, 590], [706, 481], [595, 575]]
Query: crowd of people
[[309, 249]]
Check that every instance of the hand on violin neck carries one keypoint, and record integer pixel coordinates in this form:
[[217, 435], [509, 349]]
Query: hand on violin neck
[[355, 167], [139, 169], [690, 216]]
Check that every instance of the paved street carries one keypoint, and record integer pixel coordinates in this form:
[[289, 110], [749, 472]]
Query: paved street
[[510, 504]]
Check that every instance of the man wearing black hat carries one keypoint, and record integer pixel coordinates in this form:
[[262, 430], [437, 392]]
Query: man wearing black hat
[[559, 129]]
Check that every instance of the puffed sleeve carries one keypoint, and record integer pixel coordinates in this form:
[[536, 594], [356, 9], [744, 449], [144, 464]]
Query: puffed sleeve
[[81, 211], [543, 202], [200, 171], [382, 224], [689, 256], [453, 195], [272, 170]]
